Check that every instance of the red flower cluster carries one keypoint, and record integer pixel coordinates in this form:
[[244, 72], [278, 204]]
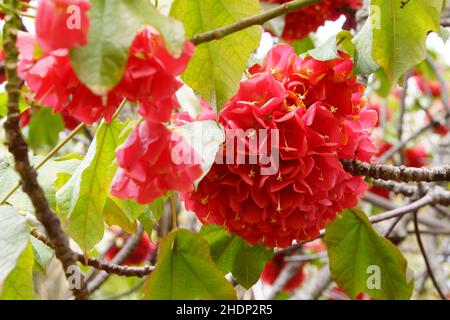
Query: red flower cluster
[[150, 78], [153, 161], [140, 254], [317, 108], [299, 23], [62, 24], [273, 268]]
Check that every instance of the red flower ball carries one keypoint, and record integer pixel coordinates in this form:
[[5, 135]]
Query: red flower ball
[[316, 106], [153, 161], [62, 24], [140, 254], [299, 23], [273, 269]]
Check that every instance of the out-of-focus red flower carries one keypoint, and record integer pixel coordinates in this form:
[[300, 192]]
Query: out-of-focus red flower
[[299, 23], [2, 14], [317, 108], [150, 75], [25, 118], [140, 254], [427, 86], [152, 161], [273, 269], [417, 157], [62, 24]]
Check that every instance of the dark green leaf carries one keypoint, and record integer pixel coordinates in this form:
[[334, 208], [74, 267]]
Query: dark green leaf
[[232, 254], [44, 128], [185, 270], [363, 261]]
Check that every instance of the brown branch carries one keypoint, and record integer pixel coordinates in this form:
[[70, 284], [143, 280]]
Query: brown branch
[[19, 149], [425, 258], [259, 19], [396, 173], [109, 268], [118, 259]]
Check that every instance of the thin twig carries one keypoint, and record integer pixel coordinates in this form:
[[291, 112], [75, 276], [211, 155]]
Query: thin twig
[[118, 259], [425, 258], [110, 268], [259, 19]]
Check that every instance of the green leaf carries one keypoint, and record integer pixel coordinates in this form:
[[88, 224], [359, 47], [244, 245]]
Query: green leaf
[[185, 270], [42, 253], [232, 254], [101, 63], [329, 49], [114, 215], [23, 105], [363, 261], [44, 128], [363, 41], [302, 46], [85, 194], [19, 284], [217, 67], [47, 176], [14, 235], [205, 137], [400, 31], [152, 214]]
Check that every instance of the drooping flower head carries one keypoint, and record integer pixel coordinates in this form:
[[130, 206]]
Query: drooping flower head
[[315, 110], [62, 24], [153, 161], [150, 75], [299, 23], [150, 79]]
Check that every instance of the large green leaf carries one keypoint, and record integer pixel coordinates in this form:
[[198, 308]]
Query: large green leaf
[[47, 175], [400, 29], [101, 63], [14, 235], [217, 66], [185, 270], [19, 283], [362, 261], [44, 128], [85, 194], [232, 254]]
